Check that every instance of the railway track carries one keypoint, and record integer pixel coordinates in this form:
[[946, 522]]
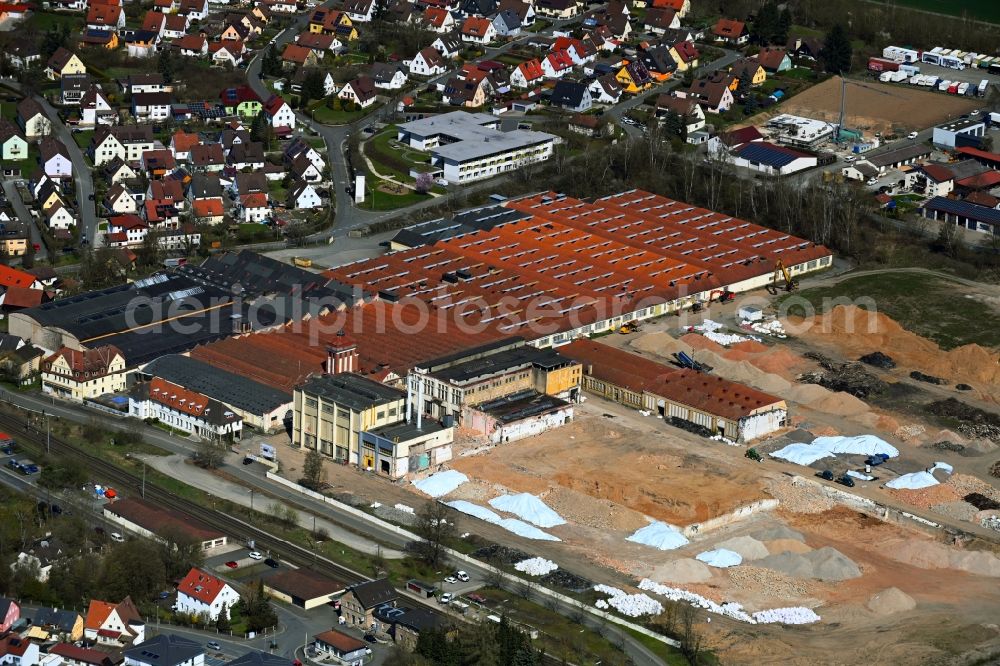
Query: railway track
[[232, 526]]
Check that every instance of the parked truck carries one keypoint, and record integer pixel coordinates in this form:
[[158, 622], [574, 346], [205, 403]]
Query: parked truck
[[962, 88], [953, 88], [983, 85], [882, 65], [944, 85]]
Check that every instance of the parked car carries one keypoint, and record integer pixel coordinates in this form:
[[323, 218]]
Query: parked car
[[117, 537], [213, 645], [911, 135], [232, 565], [254, 555], [446, 598], [478, 598], [271, 563], [462, 576], [451, 580], [248, 460]]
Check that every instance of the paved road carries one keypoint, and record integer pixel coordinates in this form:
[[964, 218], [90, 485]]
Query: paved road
[[81, 170], [23, 214]]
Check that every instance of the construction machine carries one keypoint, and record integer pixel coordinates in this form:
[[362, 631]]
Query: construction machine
[[629, 327], [781, 271], [752, 454], [725, 296]]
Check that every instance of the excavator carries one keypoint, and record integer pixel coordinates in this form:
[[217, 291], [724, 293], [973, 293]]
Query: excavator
[[725, 296], [781, 271], [629, 327]]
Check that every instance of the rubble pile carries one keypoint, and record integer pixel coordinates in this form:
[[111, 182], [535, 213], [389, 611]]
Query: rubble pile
[[929, 379], [973, 422], [847, 377], [878, 360]]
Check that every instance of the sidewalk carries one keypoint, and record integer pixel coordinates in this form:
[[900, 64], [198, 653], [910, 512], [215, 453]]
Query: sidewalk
[[177, 467]]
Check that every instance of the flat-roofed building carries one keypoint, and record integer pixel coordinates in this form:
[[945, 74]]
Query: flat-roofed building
[[470, 146], [405, 448], [330, 412], [145, 519], [303, 588]]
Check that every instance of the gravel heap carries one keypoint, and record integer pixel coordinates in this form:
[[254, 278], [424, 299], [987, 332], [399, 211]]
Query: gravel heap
[[748, 547], [889, 601], [684, 570], [394, 515], [827, 564], [797, 499]]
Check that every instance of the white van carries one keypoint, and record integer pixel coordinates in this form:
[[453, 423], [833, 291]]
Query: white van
[[115, 536]]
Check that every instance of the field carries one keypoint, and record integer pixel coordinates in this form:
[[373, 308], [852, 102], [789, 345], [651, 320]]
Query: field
[[931, 306], [981, 10], [877, 107]]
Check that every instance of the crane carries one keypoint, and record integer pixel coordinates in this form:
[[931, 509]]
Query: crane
[[843, 102]]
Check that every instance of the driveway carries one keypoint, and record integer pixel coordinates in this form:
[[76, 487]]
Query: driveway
[[23, 214]]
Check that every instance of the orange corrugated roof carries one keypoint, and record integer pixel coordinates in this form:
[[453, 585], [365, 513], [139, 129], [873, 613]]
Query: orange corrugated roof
[[11, 277], [97, 613]]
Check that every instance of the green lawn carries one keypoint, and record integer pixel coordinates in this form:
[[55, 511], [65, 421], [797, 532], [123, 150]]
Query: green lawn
[[385, 201], [83, 139], [8, 111], [324, 114], [391, 161], [41, 21], [925, 304], [982, 10], [28, 164]]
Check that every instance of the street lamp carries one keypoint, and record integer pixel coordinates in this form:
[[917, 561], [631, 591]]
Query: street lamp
[[251, 502]]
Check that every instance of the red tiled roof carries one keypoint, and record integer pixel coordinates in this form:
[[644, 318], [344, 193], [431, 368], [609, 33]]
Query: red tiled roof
[[207, 208], [177, 397], [981, 181], [254, 200], [11, 277], [531, 69], [82, 655], [937, 172], [144, 514], [201, 585], [476, 26], [340, 641], [153, 21], [127, 221], [687, 51], [190, 42], [22, 297], [981, 198], [99, 611], [771, 57], [93, 361], [185, 141], [104, 15], [295, 53], [435, 16], [708, 393], [728, 28], [980, 154], [273, 104]]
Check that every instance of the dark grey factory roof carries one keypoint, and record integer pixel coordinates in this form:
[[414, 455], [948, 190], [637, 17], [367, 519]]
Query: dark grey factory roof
[[165, 650], [765, 153], [500, 362], [404, 432], [479, 219], [467, 354], [965, 209], [351, 390], [898, 155], [226, 387], [258, 658], [522, 405]]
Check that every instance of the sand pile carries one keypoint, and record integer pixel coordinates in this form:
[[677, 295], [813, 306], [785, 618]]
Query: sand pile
[[857, 332], [603, 514], [929, 555], [748, 547], [776, 546], [889, 601], [827, 564], [779, 532], [684, 570], [744, 372], [659, 343]]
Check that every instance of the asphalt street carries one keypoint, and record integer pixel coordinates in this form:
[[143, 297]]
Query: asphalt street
[[23, 214]]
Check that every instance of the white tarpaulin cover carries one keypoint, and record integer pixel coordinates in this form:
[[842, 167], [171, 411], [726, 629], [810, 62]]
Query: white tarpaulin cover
[[659, 535], [823, 447], [528, 507], [914, 481], [536, 566], [441, 483], [720, 557], [518, 527], [732, 609], [801, 454]]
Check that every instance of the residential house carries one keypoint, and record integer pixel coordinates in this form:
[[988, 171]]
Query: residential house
[[13, 144], [254, 207], [304, 170], [477, 30], [682, 7], [192, 46], [507, 23], [195, 10], [241, 101], [358, 604], [449, 46], [181, 408], [166, 650], [299, 147], [748, 69], [360, 11], [935, 180], [774, 59], [428, 62], [320, 44], [151, 107], [361, 91], [161, 213], [10, 612], [166, 6], [114, 625], [169, 190], [61, 623], [120, 200], [248, 155], [95, 109], [59, 218], [730, 32], [117, 171], [79, 375], [54, 158], [202, 594], [154, 21], [236, 31], [808, 48], [586, 124], [387, 76], [634, 77], [478, 7], [340, 648], [571, 95], [175, 26], [303, 195], [557, 64], [208, 157], [685, 107], [714, 92], [658, 62], [557, 9], [158, 163], [295, 55], [73, 87], [685, 54], [15, 650], [659, 20], [469, 88], [181, 143], [525, 11], [248, 183], [227, 53], [278, 113], [102, 16], [32, 119], [126, 230], [606, 89], [22, 54], [140, 43], [125, 142], [527, 74], [329, 84], [208, 211], [438, 20]]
